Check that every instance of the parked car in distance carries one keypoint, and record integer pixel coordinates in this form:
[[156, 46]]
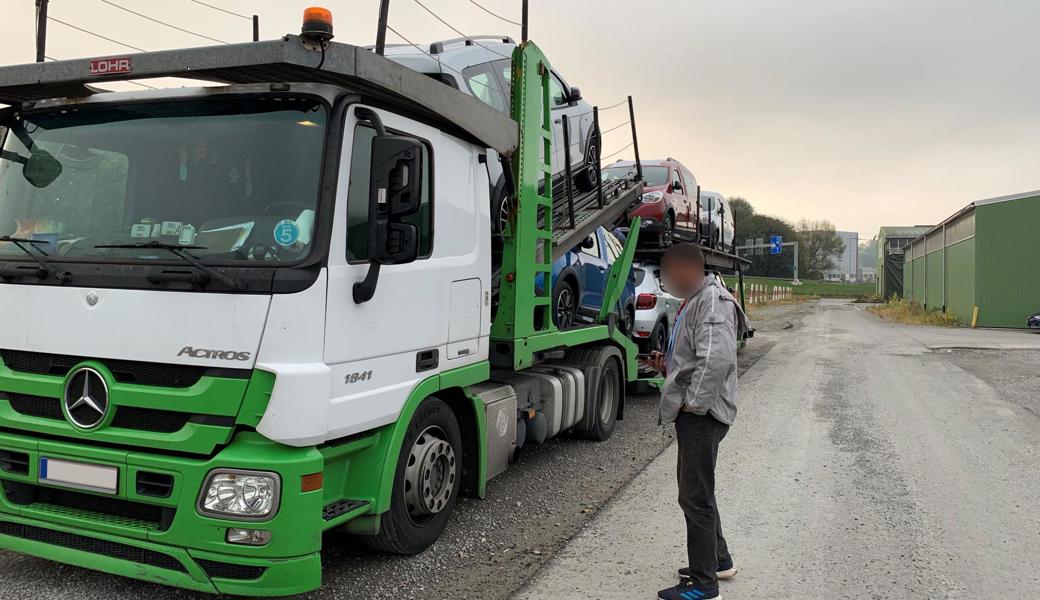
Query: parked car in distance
[[580, 279], [1034, 321], [481, 66], [655, 309], [717, 226], [669, 199]]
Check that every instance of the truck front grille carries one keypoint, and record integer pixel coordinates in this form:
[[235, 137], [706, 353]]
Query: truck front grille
[[126, 417], [91, 545], [125, 371], [34, 406]]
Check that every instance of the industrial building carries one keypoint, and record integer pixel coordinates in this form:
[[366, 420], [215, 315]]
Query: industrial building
[[846, 261], [889, 266], [984, 257]]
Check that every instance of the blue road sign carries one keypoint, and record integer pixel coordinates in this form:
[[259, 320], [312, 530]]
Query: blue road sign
[[776, 244]]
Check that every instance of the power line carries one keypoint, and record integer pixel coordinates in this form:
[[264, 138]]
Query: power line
[[613, 154], [164, 23], [97, 35], [494, 14], [612, 106], [450, 26], [223, 10], [615, 128]]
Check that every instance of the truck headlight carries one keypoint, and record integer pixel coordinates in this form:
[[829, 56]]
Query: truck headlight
[[651, 197], [235, 494]]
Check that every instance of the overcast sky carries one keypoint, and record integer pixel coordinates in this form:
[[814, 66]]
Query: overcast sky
[[864, 113]]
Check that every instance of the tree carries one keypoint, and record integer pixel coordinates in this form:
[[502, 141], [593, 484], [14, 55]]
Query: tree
[[750, 225], [818, 244], [742, 209]]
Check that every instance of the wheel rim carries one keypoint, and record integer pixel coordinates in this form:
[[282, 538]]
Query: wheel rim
[[429, 478], [608, 396], [591, 161], [565, 307]]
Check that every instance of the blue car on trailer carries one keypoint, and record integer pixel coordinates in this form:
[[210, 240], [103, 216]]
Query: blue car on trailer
[[580, 278]]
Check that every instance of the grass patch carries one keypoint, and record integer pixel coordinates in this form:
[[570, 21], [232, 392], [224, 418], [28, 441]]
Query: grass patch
[[903, 311], [818, 289]]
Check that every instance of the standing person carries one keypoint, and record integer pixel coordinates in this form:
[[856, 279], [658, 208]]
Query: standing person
[[699, 396]]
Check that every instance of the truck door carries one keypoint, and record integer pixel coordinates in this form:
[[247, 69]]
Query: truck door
[[425, 317]]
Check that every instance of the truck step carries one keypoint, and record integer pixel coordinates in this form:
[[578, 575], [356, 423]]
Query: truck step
[[340, 508]]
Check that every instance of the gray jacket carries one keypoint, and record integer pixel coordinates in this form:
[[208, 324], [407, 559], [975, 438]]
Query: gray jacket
[[702, 371]]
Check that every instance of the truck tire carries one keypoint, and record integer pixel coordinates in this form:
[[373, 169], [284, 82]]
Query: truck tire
[[608, 396], [606, 392], [426, 483]]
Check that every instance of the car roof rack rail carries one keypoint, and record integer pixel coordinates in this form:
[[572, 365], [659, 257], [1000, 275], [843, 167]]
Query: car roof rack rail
[[438, 47]]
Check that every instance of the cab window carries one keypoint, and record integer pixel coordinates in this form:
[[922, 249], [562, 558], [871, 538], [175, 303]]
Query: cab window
[[357, 198]]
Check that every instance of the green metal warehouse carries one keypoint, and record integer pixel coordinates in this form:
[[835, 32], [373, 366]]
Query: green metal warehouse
[[892, 241], [987, 255]]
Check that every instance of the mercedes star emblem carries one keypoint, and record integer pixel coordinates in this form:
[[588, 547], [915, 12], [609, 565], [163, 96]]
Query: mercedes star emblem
[[86, 398], [92, 298]]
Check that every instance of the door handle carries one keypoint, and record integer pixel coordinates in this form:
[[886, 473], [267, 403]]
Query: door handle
[[558, 121]]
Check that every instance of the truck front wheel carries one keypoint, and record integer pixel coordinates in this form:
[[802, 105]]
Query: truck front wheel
[[426, 485]]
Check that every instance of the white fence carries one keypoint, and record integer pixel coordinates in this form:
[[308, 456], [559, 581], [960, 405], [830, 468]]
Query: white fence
[[760, 293]]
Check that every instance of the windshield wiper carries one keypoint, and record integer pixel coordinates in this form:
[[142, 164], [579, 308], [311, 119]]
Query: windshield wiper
[[38, 258], [182, 253]]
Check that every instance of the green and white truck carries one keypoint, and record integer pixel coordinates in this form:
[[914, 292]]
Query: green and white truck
[[235, 317]]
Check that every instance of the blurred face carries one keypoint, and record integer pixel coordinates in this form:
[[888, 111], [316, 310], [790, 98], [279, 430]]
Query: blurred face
[[682, 278]]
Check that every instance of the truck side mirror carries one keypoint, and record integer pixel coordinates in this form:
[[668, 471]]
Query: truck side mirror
[[677, 187], [575, 96], [394, 195], [588, 242]]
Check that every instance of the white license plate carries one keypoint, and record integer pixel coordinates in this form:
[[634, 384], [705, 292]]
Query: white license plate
[[79, 475]]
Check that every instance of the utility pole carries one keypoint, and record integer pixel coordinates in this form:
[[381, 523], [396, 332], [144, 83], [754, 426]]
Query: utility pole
[[384, 12], [41, 30]]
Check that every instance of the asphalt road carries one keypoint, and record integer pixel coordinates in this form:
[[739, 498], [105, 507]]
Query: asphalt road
[[869, 460], [492, 547]]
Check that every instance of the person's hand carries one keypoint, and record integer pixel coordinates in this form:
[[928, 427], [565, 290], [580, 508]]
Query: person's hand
[[655, 361]]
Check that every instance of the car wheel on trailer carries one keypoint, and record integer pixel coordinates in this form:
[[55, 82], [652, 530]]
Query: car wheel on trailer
[[659, 338], [564, 304], [426, 483], [668, 233], [587, 180], [628, 320]]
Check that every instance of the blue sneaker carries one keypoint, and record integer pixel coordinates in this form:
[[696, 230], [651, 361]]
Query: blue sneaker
[[688, 591], [726, 570]]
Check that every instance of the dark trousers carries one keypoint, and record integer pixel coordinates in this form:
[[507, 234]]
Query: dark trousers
[[699, 438]]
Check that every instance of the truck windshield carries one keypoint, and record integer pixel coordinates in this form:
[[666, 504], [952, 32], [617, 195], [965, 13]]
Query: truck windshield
[[654, 176], [237, 179]]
